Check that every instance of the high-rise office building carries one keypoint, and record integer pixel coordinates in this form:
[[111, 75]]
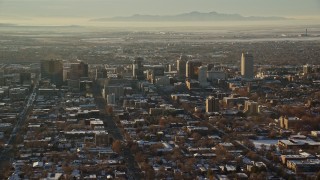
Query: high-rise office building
[[202, 78], [137, 69], [170, 68], [307, 69], [74, 72], [247, 66], [155, 71], [52, 70], [212, 104], [181, 66], [2, 79], [192, 69], [78, 70], [216, 74]]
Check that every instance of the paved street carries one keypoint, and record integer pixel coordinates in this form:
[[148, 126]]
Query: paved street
[[5, 154], [116, 134]]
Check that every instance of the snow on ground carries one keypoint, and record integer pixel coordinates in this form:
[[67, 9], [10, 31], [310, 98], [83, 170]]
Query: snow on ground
[[258, 143]]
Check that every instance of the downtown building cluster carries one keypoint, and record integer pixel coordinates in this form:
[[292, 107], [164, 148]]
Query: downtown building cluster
[[181, 120]]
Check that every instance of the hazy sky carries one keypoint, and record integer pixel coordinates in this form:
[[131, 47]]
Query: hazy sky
[[24, 9]]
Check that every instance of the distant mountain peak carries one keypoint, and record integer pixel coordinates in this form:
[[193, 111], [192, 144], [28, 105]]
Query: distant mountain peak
[[213, 12], [190, 16], [194, 12]]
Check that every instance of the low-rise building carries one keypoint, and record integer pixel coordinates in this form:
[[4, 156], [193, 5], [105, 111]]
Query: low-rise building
[[301, 144], [304, 166], [289, 122]]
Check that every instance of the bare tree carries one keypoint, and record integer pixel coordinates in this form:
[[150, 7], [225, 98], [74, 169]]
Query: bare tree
[[117, 146]]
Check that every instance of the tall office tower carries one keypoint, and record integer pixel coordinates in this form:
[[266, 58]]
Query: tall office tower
[[202, 78], [1, 72], [307, 69], [247, 66], [212, 104], [166, 67], [181, 66], [170, 67], [137, 69], [2, 79], [154, 72], [78, 70], [192, 69], [52, 70]]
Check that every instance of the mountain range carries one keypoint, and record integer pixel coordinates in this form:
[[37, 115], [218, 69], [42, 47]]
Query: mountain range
[[191, 16]]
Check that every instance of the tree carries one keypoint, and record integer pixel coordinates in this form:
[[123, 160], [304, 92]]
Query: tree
[[109, 110], [262, 175], [6, 169], [67, 169], [269, 155], [162, 173], [178, 175], [140, 157], [149, 171], [188, 165], [318, 176], [134, 147], [196, 136], [154, 148], [249, 144], [162, 122], [252, 155], [117, 146], [222, 154], [263, 149], [273, 147], [272, 134], [176, 154], [210, 174]]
